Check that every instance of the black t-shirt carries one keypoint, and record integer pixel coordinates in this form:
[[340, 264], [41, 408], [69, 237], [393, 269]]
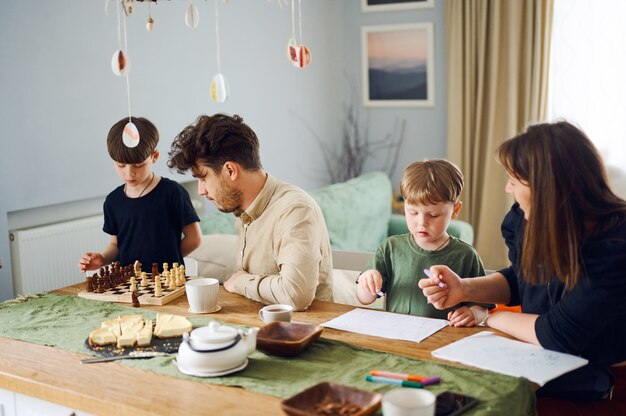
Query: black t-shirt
[[149, 229]]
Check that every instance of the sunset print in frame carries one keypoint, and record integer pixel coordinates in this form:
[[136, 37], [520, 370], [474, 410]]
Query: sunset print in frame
[[398, 65]]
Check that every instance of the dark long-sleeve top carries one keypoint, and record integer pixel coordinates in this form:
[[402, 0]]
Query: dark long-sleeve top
[[588, 320]]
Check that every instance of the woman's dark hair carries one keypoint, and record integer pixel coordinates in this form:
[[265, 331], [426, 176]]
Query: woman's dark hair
[[570, 198], [213, 141], [148, 140]]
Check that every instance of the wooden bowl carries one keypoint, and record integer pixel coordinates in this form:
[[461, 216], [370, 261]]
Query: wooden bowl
[[286, 338], [332, 399]]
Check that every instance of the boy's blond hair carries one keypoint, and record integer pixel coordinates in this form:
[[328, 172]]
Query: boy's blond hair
[[431, 182]]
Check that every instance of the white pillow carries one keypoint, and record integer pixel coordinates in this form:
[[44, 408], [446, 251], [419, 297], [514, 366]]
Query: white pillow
[[216, 256]]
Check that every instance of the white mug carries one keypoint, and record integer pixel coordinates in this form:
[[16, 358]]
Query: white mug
[[276, 312], [409, 402], [202, 294]]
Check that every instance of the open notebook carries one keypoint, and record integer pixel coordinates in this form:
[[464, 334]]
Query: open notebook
[[515, 358]]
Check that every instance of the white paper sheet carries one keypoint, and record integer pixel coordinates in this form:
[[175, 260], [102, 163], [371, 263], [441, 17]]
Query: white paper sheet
[[515, 358], [387, 324]]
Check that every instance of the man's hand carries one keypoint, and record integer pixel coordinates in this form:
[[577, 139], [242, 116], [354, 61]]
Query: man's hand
[[229, 285]]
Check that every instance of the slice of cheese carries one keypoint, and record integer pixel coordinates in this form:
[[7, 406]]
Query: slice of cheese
[[113, 325], [102, 336], [129, 333], [145, 335], [168, 325]]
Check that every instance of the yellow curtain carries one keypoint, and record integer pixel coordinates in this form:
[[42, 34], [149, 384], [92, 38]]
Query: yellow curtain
[[497, 72]]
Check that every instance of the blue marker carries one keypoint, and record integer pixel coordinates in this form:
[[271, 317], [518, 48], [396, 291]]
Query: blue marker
[[428, 273]]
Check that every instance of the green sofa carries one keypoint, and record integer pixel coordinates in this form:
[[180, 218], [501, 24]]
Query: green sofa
[[357, 213]]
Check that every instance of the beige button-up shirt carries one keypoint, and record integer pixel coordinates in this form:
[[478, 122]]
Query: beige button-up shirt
[[283, 246]]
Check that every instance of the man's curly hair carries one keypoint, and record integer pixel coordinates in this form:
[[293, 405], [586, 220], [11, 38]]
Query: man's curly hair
[[214, 140]]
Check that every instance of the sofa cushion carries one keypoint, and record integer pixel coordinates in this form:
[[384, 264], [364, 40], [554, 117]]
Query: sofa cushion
[[357, 211], [216, 256]]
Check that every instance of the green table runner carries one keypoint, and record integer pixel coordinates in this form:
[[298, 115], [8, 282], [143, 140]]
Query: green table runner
[[65, 322]]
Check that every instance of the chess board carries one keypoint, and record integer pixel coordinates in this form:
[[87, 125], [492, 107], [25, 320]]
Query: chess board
[[121, 293]]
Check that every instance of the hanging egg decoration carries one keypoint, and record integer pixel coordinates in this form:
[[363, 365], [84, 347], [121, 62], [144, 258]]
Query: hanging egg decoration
[[304, 57], [120, 64], [292, 50], [150, 24], [130, 135], [192, 18], [219, 88]]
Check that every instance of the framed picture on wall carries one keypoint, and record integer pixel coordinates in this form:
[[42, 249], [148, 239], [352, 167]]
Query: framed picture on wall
[[390, 5], [398, 65]]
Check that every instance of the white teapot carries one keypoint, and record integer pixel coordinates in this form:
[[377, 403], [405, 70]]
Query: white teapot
[[215, 348]]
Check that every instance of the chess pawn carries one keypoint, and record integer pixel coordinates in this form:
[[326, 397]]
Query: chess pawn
[[90, 280], [155, 269], [166, 267], [144, 279], [172, 283], [133, 284], [158, 290], [166, 276], [178, 278]]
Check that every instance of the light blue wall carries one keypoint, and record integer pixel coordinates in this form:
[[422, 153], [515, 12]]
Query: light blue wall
[[59, 97], [426, 126]]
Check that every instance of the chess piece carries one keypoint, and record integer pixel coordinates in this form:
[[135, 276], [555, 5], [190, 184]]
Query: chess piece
[[181, 277], [144, 279], [172, 282], [166, 267], [90, 280], [135, 300], [158, 290], [133, 284], [137, 267], [155, 269]]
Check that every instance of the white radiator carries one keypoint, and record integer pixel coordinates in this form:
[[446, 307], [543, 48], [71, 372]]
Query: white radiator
[[46, 258]]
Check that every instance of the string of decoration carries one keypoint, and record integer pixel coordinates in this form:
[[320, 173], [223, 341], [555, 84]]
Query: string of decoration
[[219, 86], [298, 54]]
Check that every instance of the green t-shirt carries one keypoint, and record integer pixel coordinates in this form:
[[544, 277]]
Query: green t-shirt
[[401, 262]]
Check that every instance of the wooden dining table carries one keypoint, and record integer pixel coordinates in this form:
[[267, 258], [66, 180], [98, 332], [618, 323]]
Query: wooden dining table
[[111, 388]]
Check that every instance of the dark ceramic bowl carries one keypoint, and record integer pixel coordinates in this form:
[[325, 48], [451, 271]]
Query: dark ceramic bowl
[[286, 338], [332, 399]]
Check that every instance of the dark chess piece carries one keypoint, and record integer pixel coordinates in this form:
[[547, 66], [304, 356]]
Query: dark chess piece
[[135, 300], [90, 280]]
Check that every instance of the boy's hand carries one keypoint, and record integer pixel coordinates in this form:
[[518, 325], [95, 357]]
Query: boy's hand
[[462, 316], [371, 281], [90, 261]]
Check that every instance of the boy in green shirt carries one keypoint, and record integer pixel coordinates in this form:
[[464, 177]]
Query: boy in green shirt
[[431, 191]]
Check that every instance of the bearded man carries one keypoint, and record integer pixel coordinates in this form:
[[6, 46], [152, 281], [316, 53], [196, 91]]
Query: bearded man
[[283, 246]]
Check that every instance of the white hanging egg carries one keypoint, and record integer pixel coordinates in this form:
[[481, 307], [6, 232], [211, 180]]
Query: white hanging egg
[[292, 50], [150, 24], [130, 135], [219, 89], [192, 18], [120, 64]]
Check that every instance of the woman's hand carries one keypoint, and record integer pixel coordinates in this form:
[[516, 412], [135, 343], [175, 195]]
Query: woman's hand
[[444, 289], [90, 261]]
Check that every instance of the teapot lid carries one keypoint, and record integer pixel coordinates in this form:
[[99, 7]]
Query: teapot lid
[[214, 333]]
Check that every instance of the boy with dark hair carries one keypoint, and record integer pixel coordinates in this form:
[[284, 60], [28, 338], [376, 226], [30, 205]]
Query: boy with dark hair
[[148, 214]]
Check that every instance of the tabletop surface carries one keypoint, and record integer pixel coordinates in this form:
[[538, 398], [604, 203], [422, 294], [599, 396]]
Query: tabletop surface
[[58, 376]]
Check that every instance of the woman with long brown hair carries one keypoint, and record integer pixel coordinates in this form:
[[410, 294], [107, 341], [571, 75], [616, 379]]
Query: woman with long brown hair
[[566, 236]]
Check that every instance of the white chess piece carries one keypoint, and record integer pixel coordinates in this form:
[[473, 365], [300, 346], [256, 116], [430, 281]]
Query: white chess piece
[[144, 279], [158, 290], [133, 284]]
